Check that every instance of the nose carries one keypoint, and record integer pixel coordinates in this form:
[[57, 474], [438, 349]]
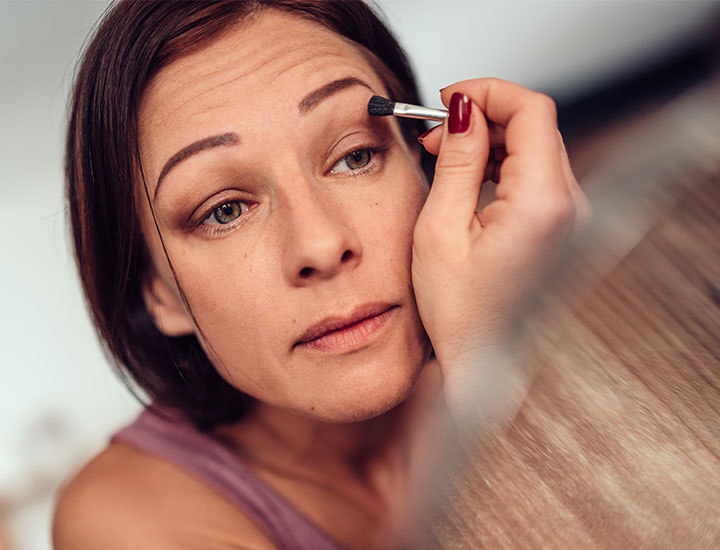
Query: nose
[[320, 243]]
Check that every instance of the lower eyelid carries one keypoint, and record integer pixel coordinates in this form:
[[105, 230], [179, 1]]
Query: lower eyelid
[[217, 229], [214, 230]]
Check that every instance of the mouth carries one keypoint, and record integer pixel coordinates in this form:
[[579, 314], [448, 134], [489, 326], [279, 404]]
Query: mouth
[[347, 333]]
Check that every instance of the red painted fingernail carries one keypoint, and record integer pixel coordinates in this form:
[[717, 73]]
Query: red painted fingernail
[[459, 120], [422, 136]]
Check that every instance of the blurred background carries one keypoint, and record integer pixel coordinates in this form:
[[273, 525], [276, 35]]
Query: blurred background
[[608, 64]]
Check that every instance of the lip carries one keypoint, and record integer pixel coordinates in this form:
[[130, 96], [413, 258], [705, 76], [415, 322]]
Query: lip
[[347, 332]]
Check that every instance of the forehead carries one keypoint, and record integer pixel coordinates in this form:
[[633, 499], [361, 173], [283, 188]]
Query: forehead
[[272, 60]]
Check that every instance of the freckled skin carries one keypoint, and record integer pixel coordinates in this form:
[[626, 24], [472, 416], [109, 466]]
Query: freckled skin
[[246, 287]]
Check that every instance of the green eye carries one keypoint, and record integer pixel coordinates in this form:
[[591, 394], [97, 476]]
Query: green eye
[[354, 161], [226, 213], [358, 159]]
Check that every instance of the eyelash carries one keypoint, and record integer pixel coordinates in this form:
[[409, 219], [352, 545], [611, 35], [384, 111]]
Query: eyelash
[[368, 168], [219, 229]]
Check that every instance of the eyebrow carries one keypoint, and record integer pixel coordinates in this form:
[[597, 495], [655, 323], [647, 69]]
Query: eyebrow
[[307, 104], [221, 140], [310, 101]]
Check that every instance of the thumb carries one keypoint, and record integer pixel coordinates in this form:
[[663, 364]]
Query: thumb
[[460, 164]]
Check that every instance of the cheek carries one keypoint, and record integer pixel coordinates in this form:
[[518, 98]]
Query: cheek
[[233, 305], [228, 291], [394, 215], [225, 284]]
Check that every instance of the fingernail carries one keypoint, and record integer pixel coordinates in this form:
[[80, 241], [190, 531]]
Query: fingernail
[[459, 119], [422, 136]]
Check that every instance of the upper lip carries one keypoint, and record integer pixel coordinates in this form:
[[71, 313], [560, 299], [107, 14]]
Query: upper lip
[[330, 324]]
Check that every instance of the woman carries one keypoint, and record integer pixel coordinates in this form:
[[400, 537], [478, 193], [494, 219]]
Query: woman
[[268, 264]]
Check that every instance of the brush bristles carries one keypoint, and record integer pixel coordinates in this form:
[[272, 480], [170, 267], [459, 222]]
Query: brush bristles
[[380, 106]]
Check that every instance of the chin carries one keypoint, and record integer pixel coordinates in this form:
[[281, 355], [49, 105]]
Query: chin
[[369, 382], [365, 399]]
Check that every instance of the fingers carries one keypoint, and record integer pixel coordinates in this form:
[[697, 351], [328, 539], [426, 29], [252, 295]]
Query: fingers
[[495, 160], [461, 163], [431, 139], [516, 143], [529, 121]]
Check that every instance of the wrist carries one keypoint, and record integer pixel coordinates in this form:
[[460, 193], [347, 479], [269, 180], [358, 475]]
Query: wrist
[[483, 388]]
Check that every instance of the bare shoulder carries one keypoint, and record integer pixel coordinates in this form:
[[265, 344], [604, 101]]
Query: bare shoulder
[[126, 499]]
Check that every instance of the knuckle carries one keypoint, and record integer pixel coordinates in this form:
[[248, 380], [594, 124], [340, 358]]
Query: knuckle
[[556, 212], [494, 81], [545, 103], [430, 231], [455, 162]]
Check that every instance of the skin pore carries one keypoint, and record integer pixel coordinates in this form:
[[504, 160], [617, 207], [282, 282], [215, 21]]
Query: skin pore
[[277, 214]]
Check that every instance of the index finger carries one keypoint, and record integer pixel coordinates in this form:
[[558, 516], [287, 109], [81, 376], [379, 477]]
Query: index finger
[[530, 121]]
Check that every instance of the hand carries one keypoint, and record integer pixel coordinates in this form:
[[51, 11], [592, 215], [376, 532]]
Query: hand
[[471, 269]]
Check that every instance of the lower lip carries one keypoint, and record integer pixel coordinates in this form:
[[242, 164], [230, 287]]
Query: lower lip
[[351, 338]]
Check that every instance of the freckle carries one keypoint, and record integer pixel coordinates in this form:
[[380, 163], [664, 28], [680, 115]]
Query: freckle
[[377, 203], [312, 408]]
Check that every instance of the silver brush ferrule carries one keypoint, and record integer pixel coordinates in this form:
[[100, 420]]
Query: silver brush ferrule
[[417, 111]]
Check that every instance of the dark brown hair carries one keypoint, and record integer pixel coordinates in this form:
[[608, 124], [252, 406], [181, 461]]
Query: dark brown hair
[[133, 42]]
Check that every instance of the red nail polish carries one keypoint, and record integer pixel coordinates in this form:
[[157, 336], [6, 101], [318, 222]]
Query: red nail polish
[[459, 120], [422, 136]]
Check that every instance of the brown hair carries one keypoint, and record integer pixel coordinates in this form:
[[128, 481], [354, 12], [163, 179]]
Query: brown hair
[[133, 42]]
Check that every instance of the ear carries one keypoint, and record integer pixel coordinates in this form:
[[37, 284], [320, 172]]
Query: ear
[[166, 307]]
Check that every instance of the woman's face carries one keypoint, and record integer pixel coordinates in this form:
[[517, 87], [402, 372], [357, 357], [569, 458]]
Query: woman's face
[[287, 211]]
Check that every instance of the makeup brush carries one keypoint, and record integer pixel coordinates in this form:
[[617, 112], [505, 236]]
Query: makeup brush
[[380, 106]]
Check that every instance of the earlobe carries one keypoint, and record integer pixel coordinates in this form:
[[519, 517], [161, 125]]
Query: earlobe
[[166, 308]]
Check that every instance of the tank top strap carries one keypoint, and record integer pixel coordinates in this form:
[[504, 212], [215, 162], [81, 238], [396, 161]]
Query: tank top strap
[[199, 454]]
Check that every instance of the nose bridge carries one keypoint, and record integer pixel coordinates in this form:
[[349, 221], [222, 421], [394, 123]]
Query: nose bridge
[[319, 242]]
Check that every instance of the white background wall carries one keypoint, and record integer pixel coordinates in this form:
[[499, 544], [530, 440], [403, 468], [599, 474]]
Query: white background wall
[[59, 399]]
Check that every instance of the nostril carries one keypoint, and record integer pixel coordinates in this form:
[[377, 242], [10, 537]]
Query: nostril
[[323, 269]]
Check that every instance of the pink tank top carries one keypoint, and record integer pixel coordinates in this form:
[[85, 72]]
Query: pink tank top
[[204, 457]]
